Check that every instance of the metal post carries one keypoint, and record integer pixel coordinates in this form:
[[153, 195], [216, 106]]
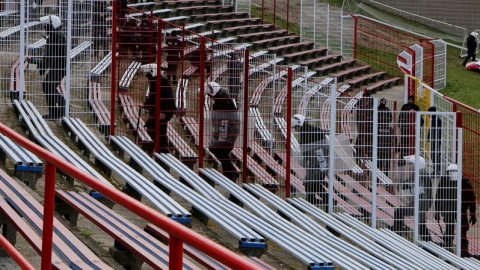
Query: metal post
[[289, 132], [201, 129], [375, 163], [175, 261], [22, 50], [113, 90], [48, 210], [246, 110], [416, 204], [331, 161], [69, 60]]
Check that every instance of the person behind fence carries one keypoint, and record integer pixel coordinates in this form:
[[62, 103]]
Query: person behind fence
[[225, 121], [315, 159], [234, 73], [406, 121], [446, 207], [99, 27], [435, 139], [407, 190], [472, 44], [384, 113], [364, 117], [386, 141], [55, 63], [166, 108], [174, 51]]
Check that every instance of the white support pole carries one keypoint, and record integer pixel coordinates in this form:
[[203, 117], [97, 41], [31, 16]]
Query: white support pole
[[417, 178], [459, 191], [375, 163], [22, 50], [69, 49], [331, 151]]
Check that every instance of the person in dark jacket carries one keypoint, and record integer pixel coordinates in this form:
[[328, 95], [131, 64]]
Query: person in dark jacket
[[407, 189], [384, 113], [472, 44], [55, 63], [435, 139], [315, 159], [234, 73], [225, 121], [386, 143], [406, 121], [364, 116], [99, 27], [166, 108], [446, 207], [174, 51]]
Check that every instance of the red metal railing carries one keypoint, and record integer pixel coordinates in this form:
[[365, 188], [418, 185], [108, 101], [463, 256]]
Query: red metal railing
[[178, 233]]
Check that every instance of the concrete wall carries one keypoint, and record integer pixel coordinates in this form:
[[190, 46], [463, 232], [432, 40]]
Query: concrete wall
[[463, 13]]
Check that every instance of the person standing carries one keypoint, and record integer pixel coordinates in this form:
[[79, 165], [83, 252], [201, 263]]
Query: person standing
[[446, 207], [435, 139], [386, 143], [406, 121], [315, 159], [225, 121], [166, 108], [384, 113], [234, 73], [174, 50], [99, 27], [407, 189], [472, 44], [55, 63]]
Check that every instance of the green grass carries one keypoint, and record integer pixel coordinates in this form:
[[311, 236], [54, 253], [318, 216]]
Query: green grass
[[462, 85]]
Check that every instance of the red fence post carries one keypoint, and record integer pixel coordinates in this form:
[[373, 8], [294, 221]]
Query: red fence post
[[48, 209], [175, 250]]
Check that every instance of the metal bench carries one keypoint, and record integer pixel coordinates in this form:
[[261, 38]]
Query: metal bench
[[323, 70], [101, 112], [39, 131], [131, 115], [27, 166], [458, 262], [15, 82], [103, 65], [273, 166], [304, 54], [395, 243], [246, 29], [202, 208], [128, 76], [262, 35], [79, 49], [17, 203], [383, 84], [192, 10], [132, 246], [157, 12], [256, 171], [275, 41], [369, 245], [318, 61], [218, 16], [375, 259], [181, 148], [351, 72], [13, 30], [137, 185], [292, 47], [367, 78], [220, 24], [187, 3], [313, 250]]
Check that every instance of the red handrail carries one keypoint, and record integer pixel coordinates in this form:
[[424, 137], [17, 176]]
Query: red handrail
[[178, 233]]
